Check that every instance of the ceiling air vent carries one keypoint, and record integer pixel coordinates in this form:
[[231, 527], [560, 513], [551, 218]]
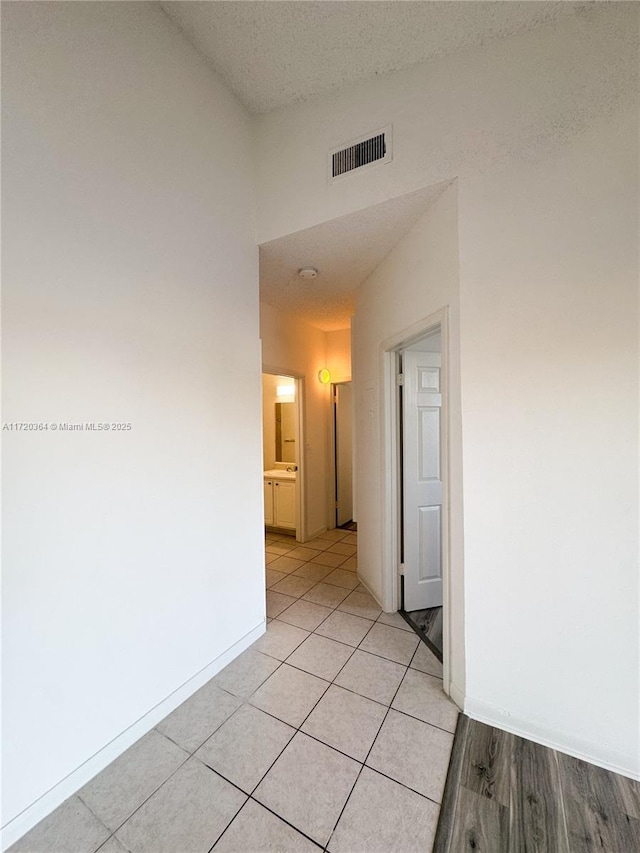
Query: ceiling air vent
[[370, 150]]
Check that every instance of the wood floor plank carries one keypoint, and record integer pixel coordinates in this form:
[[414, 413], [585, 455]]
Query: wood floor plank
[[536, 819], [595, 808], [487, 762], [447, 818], [555, 803], [481, 826], [591, 829], [629, 793], [428, 625]]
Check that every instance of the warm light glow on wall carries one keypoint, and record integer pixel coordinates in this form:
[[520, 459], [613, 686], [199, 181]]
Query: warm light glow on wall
[[285, 390]]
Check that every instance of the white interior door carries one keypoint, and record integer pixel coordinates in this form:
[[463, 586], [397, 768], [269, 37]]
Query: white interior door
[[344, 473], [422, 480]]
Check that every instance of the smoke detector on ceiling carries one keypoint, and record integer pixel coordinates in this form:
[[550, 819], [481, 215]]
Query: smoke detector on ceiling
[[308, 272]]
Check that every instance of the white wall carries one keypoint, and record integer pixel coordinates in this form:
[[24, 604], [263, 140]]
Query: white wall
[[298, 349], [417, 279], [549, 296], [540, 131], [339, 354], [132, 560]]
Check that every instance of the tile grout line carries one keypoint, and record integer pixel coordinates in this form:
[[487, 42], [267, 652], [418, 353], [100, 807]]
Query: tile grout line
[[364, 763]]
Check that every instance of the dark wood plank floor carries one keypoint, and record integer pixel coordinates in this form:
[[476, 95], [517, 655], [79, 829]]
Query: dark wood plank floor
[[506, 794], [428, 625]]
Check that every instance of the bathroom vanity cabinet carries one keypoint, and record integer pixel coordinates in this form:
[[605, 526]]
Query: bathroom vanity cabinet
[[280, 500]]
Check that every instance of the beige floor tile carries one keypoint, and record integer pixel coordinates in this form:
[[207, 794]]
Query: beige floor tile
[[313, 571], [308, 786], [269, 558], [246, 673], [256, 829], [71, 827], [384, 817], [279, 640], [319, 543], [334, 535], [344, 627], [413, 753], [425, 661], [371, 676], [321, 656], [390, 643], [305, 614], [245, 747], [324, 558], [361, 604], [421, 696], [346, 721], [326, 594], [339, 577], [277, 602], [286, 565], [396, 621], [273, 577], [289, 694], [350, 564], [199, 716], [343, 548], [188, 813], [112, 846], [115, 793], [303, 553], [294, 586], [278, 548]]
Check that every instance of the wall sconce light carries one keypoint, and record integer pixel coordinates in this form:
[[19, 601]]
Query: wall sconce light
[[324, 376]]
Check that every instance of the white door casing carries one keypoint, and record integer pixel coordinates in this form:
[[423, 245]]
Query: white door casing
[[422, 479]]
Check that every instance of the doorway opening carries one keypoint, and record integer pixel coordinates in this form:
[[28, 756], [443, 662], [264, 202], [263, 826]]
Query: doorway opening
[[283, 466], [416, 451], [343, 454]]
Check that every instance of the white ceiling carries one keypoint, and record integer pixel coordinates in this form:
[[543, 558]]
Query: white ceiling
[[273, 53], [345, 251]]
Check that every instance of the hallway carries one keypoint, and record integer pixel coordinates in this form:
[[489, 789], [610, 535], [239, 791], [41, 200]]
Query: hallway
[[330, 732]]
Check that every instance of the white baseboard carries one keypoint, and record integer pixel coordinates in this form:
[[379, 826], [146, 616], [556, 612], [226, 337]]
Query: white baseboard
[[593, 753], [49, 801], [371, 593], [315, 533], [456, 695]]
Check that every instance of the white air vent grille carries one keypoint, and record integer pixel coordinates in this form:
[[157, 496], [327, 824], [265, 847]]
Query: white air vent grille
[[371, 150]]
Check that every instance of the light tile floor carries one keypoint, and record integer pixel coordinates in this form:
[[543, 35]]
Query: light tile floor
[[330, 733]]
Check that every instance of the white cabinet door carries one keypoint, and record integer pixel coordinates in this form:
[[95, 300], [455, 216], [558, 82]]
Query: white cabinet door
[[284, 500], [268, 502]]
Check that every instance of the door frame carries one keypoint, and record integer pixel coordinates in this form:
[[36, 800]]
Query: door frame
[[390, 450], [333, 484], [301, 525]]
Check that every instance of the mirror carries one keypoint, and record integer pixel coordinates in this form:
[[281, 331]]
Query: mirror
[[286, 432]]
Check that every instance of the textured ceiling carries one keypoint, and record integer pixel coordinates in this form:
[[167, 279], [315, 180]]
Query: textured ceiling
[[272, 53], [345, 251]]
